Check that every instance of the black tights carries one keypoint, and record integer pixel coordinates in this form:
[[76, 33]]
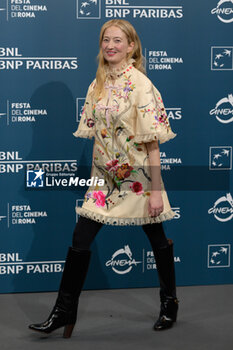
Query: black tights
[[86, 230]]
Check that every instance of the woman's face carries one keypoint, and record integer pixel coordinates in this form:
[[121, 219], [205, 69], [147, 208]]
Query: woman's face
[[115, 46]]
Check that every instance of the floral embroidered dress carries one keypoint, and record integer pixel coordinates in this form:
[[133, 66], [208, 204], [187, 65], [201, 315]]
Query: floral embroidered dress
[[131, 114]]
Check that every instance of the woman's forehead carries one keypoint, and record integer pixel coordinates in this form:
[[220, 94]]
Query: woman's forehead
[[114, 31]]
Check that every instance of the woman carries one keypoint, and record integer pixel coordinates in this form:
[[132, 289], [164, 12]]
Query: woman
[[125, 113]]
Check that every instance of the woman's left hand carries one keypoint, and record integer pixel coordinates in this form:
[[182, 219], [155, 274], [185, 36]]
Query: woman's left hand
[[155, 207]]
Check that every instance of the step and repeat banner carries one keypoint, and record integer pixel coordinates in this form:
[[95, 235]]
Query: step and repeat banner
[[48, 52]]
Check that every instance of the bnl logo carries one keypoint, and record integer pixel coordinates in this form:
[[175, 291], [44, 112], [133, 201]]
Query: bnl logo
[[89, 9], [35, 178], [220, 158], [80, 101], [219, 255], [221, 58]]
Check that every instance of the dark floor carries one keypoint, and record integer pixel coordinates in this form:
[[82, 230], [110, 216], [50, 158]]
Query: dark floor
[[123, 319]]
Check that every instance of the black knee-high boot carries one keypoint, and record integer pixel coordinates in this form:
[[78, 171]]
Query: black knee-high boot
[[166, 271], [64, 313]]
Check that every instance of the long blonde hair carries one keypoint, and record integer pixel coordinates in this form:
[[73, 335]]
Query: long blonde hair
[[136, 53]]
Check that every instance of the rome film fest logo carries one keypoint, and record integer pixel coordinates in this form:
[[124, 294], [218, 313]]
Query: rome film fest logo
[[224, 11], [21, 112], [22, 214], [226, 111], [122, 261], [223, 208], [21, 9]]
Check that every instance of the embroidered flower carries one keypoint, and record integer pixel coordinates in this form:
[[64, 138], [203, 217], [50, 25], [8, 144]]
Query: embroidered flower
[[100, 198], [112, 165], [104, 133], [123, 171], [137, 187], [90, 123]]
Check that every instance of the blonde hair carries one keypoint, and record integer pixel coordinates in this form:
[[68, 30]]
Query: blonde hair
[[136, 53]]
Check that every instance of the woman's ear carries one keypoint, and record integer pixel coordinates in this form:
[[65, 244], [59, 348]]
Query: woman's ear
[[131, 46]]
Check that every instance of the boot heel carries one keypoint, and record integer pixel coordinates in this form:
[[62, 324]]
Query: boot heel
[[68, 331]]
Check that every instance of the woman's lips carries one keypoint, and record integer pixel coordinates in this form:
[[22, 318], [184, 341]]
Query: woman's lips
[[111, 53]]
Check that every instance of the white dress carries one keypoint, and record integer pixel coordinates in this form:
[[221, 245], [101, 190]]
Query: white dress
[[131, 114]]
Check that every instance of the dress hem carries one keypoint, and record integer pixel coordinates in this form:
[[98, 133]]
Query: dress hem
[[124, 221]]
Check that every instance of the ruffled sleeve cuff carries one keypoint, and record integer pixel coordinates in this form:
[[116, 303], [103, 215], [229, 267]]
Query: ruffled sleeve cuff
[[160, 136], [86, 134]]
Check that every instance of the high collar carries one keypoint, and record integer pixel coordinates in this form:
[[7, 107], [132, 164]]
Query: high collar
[[114, 73]]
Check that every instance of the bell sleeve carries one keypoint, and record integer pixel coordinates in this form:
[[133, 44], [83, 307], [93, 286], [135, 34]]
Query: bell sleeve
[[151, 119], [86, 127]]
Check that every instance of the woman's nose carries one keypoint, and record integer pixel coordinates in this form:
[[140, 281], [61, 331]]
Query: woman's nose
[[110, 44]]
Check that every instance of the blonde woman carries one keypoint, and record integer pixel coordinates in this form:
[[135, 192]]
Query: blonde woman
[[125, 114]]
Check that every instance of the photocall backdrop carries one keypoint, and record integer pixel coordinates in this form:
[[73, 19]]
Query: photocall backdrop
[[48, 55]]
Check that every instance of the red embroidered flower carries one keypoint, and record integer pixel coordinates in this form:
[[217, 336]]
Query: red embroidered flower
[[137, 187], [123, 171], [90, 123], [112, 165]]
